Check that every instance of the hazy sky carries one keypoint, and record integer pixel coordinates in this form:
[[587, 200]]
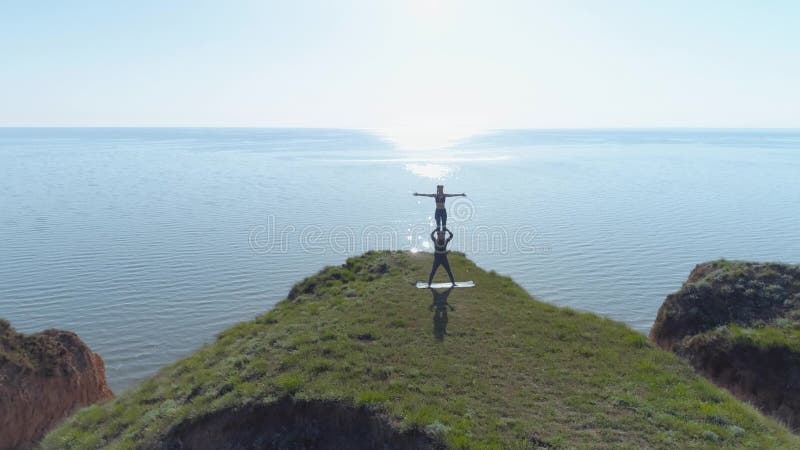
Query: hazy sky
[[401, 64]]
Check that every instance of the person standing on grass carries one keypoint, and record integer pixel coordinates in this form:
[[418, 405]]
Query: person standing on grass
[[441, 212], [440, 254]]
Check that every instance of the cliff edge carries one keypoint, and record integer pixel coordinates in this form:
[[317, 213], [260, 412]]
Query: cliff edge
[[44, 377], [738, 323]]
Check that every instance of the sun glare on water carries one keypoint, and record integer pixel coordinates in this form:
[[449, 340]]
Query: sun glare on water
[[418, 139], [432, 171], [435, 153]]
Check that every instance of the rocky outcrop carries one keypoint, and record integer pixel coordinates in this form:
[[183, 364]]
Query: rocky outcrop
[[44, 377], [738, 323]]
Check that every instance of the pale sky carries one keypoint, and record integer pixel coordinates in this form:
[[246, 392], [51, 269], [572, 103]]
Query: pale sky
[[426, 65]]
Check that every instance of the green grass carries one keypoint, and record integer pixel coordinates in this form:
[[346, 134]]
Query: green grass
[[762, 338], [508, 368]]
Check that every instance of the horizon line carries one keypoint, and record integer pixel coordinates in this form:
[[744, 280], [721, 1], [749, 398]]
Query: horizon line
[[291, 127]]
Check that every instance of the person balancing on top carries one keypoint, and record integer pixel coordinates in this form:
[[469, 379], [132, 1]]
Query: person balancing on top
[[441, 212]]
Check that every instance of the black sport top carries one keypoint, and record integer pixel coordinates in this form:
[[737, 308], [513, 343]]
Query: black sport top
[[440, 248]]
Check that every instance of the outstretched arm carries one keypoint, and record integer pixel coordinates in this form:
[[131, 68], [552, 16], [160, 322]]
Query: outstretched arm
[[455, 195], [416, 194]]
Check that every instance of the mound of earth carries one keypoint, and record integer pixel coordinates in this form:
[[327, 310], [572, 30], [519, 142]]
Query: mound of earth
[[738, 323], [356, 356]]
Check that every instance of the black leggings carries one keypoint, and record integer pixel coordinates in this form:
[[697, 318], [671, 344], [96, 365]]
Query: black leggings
[[441, 218], [440, 259]]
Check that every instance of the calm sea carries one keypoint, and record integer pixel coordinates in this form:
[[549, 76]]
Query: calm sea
[[147, 242]]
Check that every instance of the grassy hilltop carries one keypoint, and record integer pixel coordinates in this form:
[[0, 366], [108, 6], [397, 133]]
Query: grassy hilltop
[[358, 348]]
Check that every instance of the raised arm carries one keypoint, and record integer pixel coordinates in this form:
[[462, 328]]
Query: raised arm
[[433, 238], [449, 238], [416, 194]]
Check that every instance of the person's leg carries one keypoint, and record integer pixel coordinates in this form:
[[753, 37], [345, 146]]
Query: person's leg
[[446, 265], [436, 263], [444, 218], [438, 217]]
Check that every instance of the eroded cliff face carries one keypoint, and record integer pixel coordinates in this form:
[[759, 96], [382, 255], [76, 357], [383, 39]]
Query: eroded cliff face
[[738, 323], [44, 377], [292, 423]]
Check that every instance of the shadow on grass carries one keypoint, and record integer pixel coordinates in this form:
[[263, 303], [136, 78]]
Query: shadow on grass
[[439, 308]]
